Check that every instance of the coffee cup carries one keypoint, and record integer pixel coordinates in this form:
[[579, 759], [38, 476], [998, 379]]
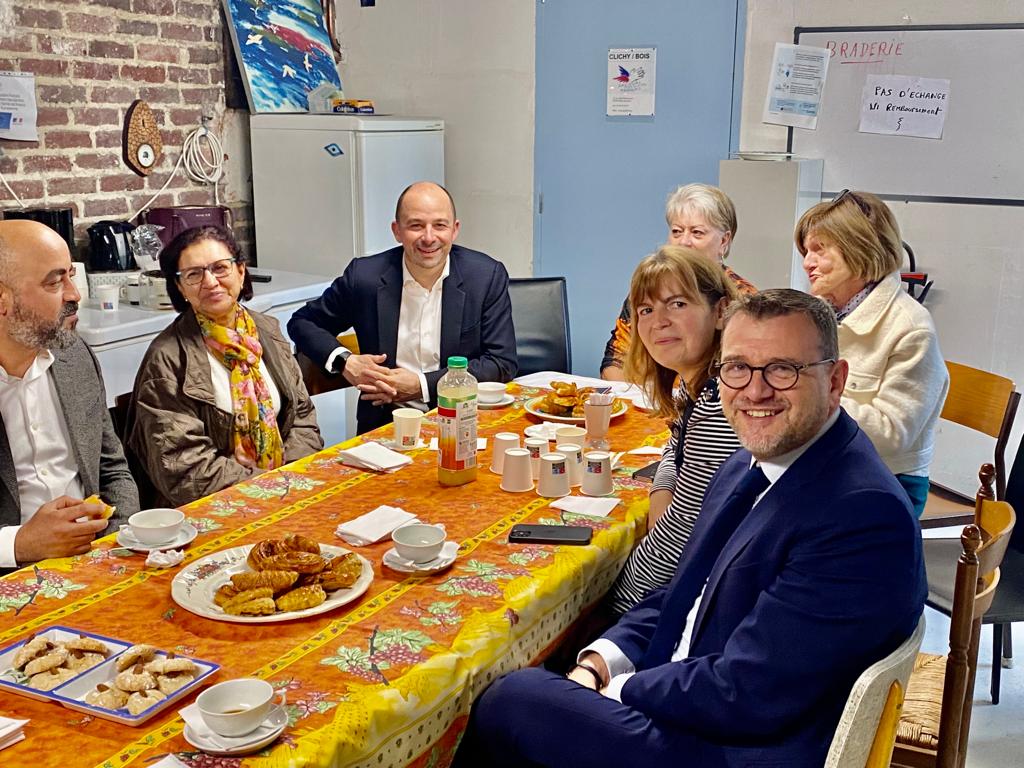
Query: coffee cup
[[597, 473], [553, 482], [156, 526], [407, 428], [573, 435], [237, 707], [574, 462], [108, 297], [536, 446], [490, 392], [502, 442], [419, 542], [516, 476]]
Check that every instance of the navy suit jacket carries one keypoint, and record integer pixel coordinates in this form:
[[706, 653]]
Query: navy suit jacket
[[824, 577], [476, 319]]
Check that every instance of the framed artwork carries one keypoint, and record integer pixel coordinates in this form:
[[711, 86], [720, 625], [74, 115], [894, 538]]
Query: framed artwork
[[283, 51]]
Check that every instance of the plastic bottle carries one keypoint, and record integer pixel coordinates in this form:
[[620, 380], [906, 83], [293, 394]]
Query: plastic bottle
[[457, 419]]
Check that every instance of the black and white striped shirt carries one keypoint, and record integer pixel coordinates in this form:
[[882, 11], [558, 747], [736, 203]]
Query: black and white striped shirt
[[708, 442]]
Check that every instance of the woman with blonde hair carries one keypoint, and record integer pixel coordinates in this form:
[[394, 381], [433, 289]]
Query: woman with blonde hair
[[898, 380], [677, 297]]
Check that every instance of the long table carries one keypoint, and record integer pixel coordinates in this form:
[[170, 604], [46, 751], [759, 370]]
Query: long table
[[385, 681]]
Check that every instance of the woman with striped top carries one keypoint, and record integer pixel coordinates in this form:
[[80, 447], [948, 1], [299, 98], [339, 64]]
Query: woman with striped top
[[677, 296]]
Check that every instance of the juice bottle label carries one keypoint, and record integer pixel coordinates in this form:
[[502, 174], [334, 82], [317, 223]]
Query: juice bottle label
[[456, 417]]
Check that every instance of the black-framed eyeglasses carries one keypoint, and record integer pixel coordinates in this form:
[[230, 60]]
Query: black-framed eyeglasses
[[194, 275], [779, 376], [847, 194]]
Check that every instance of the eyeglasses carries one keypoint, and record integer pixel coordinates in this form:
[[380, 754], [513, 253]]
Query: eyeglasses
[[195, 275], [779, 376], [847, 194]]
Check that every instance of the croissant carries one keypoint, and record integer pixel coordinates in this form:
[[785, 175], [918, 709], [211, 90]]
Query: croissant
[[224, 593], [260, 606], [341, 572], [299, 543], [276, 580], [262, 550], [301, 598], [301, 562], [247, 596]]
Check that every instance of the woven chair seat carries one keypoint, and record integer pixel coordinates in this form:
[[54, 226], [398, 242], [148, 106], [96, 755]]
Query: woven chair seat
[[919, 723]]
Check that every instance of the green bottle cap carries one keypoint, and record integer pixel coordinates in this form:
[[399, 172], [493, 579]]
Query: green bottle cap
[[458, 362]]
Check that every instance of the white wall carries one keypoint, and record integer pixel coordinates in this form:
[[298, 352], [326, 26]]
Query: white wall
[[471, 63], [975, 254]]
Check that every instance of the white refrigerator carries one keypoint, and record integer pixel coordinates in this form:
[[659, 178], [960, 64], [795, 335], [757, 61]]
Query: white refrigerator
[[325, 185]]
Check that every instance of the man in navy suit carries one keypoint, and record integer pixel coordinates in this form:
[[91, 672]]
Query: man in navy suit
[[412, 308], [747, 657]]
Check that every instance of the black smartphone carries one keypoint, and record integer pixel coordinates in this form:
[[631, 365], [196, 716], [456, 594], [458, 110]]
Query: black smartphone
[[256, 277], [646, 474], [549, 534]]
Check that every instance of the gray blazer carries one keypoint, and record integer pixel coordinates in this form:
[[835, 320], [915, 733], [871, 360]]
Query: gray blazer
[[102, 467]]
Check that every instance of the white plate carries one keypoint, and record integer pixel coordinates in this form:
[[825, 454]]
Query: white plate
[[532, 407], [448, 553], [276, 721], [506, 400], [194, 586], [186, 535], [765, 155]]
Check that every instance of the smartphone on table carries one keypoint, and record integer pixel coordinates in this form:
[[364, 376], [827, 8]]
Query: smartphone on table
[[523, 533]]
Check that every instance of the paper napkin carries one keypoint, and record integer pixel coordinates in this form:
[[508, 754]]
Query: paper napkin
[[374, 525], [11, 731], [168, 559], [373, 456], [579, 505]]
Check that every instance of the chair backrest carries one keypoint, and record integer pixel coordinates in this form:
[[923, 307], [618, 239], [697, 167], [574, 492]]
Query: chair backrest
[[984, 402], [540, 314], [867, 728]]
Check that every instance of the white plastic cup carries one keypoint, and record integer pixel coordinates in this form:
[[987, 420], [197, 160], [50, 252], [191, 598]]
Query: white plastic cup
[[237, 707], [537, 446], [517, 477], [108, 296], [597, 473], [501, 443], [554, 476], [574, 461], [407, 428]]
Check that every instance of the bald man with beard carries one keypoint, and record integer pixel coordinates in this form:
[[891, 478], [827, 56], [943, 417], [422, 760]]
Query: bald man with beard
[[57, 445]]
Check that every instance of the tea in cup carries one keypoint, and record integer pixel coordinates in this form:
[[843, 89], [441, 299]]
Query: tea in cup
[[237, 707]]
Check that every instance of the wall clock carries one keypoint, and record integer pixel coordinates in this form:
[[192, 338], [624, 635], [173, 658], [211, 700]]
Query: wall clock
[[141, 144]]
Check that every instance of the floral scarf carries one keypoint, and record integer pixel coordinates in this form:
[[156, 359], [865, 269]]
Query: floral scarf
[[239, 349]]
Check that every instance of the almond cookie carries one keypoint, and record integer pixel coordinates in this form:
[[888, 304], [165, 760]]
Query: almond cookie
[[134, 655], [47, 681], [33, 647], [140, 701], [80, 661], [87, 644], [168, 684], [106, 697], [135, 679], [52, 660], [171, 665]]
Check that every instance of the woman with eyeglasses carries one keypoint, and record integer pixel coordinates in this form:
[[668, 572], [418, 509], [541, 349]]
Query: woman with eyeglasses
[[677, 297], [898, 380], [218, 397]]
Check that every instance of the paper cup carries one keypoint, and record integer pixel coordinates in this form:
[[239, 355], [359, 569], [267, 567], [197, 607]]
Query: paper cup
[[597, 473], [574, 435], [407, 428], [516, 477], [536, 446], [108, 297], [554, 476], [574, 462], [501, 443]]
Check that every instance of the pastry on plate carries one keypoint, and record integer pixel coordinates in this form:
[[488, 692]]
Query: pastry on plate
[[340, 573], [107, 697], [47, 681], [262, 550], [134, 655], [259, 606], [135, 679], [301, 562], [278, 581], [301, 598], [299, 543], [51, 660], [140, 701], [32, 648]]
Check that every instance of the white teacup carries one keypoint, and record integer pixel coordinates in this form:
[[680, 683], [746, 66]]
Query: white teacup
[[156, 526], [419, 542], [237, 707], [490, 391]]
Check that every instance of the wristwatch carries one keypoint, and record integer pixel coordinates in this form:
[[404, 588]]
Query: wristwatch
[[338, 364]]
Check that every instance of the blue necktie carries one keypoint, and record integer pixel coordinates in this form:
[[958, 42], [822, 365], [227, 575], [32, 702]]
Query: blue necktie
[[698, 559]]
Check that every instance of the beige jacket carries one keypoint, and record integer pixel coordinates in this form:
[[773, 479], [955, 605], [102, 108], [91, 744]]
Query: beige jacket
[[175, 429], [898, 379]]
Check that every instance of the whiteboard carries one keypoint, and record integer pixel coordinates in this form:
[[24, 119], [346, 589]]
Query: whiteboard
[[979, 157]]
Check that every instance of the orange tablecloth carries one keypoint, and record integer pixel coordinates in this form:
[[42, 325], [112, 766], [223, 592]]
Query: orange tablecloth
[[386, 681]]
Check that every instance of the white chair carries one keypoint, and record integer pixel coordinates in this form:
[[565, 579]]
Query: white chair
[[867, 729]]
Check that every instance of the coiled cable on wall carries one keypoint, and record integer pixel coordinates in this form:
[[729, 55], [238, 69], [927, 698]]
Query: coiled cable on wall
[[203, 163]]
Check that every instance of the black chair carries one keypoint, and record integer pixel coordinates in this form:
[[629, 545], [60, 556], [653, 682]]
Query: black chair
[[540, 314]]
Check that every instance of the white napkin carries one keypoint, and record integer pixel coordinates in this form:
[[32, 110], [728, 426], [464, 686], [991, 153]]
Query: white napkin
[[596, 507], [373, 456], [545, 430], [374, 525], [169, 761], [11, 731], [194, 720], [481, 443], [168, 559], [647, 450]]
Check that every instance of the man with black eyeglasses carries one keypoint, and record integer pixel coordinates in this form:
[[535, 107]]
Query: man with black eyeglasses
[[57, 445], [803, 569]]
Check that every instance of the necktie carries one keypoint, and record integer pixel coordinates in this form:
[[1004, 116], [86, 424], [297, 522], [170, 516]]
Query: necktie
[[698, 559]]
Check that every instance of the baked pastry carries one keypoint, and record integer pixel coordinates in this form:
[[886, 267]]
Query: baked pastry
[[262, 550], [224, 593], [140, 701], [135, 679], [107, 697], [50, 679], [79, 661], [301, 562], [33, 647], [301, 598], [171, 665], [168, 684], [87, 644], [51, 660], [260, 606], [341, 572], [276, 580], [134, 655], [107, 510], [296, 542]]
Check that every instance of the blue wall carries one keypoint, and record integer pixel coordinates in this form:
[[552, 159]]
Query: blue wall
[[603, 181]]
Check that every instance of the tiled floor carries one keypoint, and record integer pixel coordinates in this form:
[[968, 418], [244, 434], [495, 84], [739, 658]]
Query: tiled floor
[[997, 732]]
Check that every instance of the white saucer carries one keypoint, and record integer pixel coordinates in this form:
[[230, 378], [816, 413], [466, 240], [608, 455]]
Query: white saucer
[[397, 563], [187, 533], [276, 722], [506, 400]]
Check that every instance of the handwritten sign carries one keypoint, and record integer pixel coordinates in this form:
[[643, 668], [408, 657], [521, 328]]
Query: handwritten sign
[[631, 81], [902, 105]]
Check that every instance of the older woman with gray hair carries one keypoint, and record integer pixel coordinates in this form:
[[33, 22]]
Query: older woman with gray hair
[[699, 217]]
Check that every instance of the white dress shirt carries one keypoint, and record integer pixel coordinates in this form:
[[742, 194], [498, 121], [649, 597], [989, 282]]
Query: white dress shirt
[[419, 330], [221, 377], [44, 461], [620, 668]]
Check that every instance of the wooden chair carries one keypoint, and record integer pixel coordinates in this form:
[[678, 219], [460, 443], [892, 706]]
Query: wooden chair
[[119, 415], [986, 403], [867, 729], [936, 717], [316, 379]]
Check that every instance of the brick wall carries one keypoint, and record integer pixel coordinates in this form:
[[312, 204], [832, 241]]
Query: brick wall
[[91, 59]]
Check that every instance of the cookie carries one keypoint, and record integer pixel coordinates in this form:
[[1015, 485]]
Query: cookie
[[79, 661], [87, 644], [34, 647], [46, 681], [106, 697], [135, 679], [134, 655], [140, 701], [53, 659], [168, 684]]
